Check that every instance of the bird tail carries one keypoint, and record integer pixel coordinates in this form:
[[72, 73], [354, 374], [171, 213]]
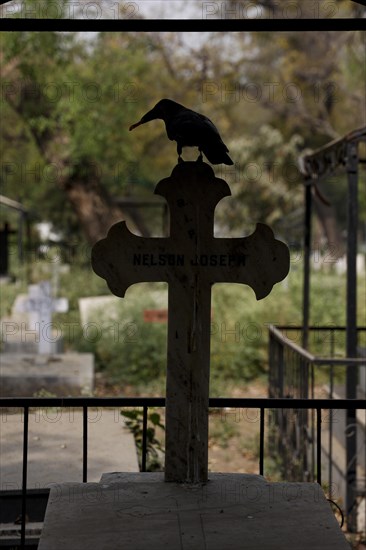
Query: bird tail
[[217, 154]]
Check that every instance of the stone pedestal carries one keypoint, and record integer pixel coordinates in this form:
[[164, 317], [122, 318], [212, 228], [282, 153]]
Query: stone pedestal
[[229, 512], [22, 375]]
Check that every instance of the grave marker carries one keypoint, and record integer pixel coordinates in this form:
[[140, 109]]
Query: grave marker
[[40, 304], [190, 260]]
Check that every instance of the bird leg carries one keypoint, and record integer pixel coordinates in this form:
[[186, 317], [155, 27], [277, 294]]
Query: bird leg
[[200, 157], [179, 151]]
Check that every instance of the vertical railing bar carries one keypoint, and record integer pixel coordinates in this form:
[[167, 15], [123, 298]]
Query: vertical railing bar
[[330, 432], [24, 476], [144, 439], [306, 266], [261, 443], [332, 342], [313, 463], [318, 446], [352, 158], [85, 443], [364, 469]]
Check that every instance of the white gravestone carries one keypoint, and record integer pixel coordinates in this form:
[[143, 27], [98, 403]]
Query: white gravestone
[[40, 304]]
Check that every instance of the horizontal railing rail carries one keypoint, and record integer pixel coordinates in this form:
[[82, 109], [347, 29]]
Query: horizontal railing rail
[[263, 404], [277, 333], [22, 402], [214, 402]]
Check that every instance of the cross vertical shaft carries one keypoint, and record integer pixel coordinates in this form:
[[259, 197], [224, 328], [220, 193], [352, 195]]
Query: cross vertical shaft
[[189, 314], [187, 388]]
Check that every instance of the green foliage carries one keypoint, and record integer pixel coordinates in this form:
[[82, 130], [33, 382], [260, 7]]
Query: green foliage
[[79, 94], [8, 293], [221, 432], [154, 448], [137, 356], [267, 162], [127, 349]]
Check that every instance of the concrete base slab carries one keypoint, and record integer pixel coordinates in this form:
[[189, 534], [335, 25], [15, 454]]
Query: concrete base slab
[[55, 447], [230, 512], [22, 375]]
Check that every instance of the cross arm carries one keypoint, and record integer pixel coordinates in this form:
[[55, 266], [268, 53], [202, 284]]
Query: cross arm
[[123, 259], [258, 260]]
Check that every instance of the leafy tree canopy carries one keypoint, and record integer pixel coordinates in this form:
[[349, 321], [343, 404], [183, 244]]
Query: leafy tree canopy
[[68, 100]]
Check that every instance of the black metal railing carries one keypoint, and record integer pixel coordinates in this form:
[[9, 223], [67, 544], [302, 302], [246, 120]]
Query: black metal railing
[[293, 370], [261, 404], [321, 369]]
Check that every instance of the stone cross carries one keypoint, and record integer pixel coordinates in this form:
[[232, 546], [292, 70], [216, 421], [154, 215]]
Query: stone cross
[[190, 260], [40, 304]]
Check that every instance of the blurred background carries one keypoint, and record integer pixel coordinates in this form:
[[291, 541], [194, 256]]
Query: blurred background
[[72, 169]]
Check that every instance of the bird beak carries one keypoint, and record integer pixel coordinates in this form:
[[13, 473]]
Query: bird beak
[[133, 126], [151, 115]]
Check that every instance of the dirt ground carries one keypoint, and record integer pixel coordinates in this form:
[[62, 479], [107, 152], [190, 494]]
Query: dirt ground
[[233, 433]]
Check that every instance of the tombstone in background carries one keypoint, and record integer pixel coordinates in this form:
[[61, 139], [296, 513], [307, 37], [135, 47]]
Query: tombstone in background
[[33, 358], [30, 329], [40, 304]]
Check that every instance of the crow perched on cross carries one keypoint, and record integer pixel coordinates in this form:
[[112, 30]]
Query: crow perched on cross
[[189, 129]]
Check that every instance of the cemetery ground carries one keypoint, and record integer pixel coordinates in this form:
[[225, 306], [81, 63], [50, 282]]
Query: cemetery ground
[[233, 434]]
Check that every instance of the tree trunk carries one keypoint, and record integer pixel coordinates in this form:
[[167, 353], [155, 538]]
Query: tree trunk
[[92, 208], [82, 185], [328, 223], [95, 209]]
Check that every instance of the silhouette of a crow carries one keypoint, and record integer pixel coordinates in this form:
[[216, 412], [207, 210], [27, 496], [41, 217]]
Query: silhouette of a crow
[[189, 129]]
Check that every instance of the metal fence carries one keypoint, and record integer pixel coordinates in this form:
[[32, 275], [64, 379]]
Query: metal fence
[[298, 373], [266, 407]]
